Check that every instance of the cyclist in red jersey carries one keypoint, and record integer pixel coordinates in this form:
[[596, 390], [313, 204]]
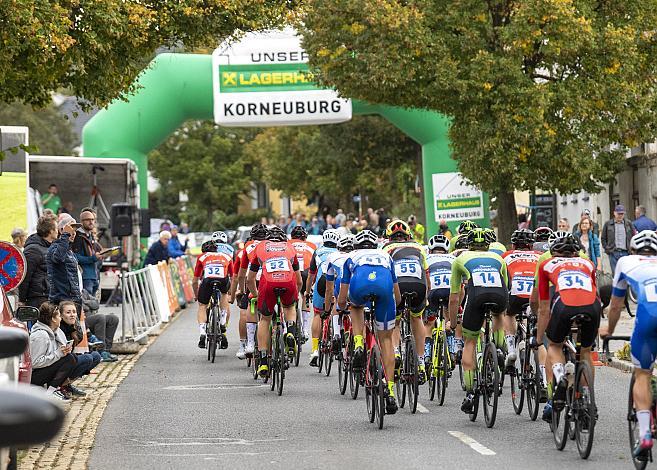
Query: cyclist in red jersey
[[305, 250], [280, 269], [214, 265], [575, 293], [521, 263]]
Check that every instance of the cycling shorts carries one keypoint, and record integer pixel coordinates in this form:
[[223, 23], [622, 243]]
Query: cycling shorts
[[474, 313], [437, 298], [560, 322], [643, 343], [419, 302], [205, 289], [267, 297], [318, 292], [374, 281], [516, 304]]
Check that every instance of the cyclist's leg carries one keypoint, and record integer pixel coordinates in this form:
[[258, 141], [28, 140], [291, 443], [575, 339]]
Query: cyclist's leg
[[473, 320], [203, 297], [510, 325], [643, 345], [318, 307], [417, 324]]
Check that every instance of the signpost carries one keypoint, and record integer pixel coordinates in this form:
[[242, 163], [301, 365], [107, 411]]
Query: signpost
[[12, 266], [454, 199], [263, 80]]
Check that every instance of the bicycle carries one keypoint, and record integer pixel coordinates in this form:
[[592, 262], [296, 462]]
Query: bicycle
[[487, 372], [440, 367], [299, 336], [526, 379], [325, 346], [346, 351], [408, 380], [579, 408], [374, 377], [213, 331]]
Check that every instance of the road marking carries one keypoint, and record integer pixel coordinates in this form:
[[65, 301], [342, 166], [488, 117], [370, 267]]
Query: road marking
[[422, 409], [200, 441], [213, 386], [474, 445]]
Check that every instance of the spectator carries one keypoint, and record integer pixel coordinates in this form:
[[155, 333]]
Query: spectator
[[563, 224], [282, 223], [184, 228], [18, 236], [444, 229], [176, 249], [315, 226], [383, 217], [298, 220], [616, 235], [586, 214], [52, 361], [641, 223], [66, 208], [340, 218], [85, 249], [417, 229], [101, 325], [522, 221], [63, 265], [590, 242], [34, 289], [158, 250], [70, 325], [373, 219], [51, 199]]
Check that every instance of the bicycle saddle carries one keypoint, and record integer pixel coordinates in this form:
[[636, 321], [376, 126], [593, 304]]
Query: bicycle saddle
[[280, 290]]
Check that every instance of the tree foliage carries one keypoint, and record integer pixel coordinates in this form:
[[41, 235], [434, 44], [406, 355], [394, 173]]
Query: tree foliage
[[50, 132], [208, 164], [367, 155], [536, 90], [96, 49]]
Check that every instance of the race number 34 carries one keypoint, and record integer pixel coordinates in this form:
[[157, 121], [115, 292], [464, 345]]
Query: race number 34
[[574, 280]]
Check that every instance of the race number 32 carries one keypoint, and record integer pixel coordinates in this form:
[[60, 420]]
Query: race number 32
[[277, 264], [214, 270]]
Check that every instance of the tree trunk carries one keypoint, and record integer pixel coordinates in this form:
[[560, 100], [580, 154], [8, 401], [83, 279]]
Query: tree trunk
[[507, 218]]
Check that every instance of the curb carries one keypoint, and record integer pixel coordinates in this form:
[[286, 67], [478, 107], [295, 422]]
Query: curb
[[623, 366]]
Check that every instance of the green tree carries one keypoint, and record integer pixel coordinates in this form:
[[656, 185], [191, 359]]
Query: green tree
[[50, 132], [367, 155], [96, 49], [207, 163], [537, 90]]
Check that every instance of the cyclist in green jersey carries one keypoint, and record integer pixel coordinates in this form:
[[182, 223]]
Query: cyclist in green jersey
[[486, 283], [461, 231]]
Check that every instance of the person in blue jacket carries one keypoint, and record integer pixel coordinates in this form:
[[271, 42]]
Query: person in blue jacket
[[590, 242], [62, 265], [176, 249]]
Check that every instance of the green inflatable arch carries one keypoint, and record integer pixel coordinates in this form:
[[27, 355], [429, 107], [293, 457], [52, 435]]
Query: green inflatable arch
[[178, 87]]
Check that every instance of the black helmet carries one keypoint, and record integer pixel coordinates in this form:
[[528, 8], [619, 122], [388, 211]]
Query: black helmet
[[523, 238], [259, 232], [276, 234], [299, 233], [567, 244], [466, 226], [542, 234], [461, 242], [209, 247]]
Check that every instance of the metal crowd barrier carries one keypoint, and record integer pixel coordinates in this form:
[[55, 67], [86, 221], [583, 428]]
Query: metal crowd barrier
[[139, 312]]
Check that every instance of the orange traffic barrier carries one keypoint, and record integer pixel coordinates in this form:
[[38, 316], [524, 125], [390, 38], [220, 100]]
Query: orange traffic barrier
[[595, 358]]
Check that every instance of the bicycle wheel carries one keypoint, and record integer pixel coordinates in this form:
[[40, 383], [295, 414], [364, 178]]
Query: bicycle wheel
[[322, 347], [378, 387], [445, 370], [273, 361], [343, 369], [517, 382], [281, 364], [585, 410], [560, 422], [400, 387], [532, 380], [411, 374], [434, 371], [633, 428], [475, 405], [491, 384], [328, 356], [370, 393], [460, 360]]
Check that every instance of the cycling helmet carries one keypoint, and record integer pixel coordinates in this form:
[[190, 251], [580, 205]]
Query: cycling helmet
[[276, 234], [330, 237], [566, 244], [259, 232], [523, 238], [478, 238], [555, 235], [466, 226], [365, 239], [491, 236], [439, 242], [542, 234], [646, 240], [346, 242], [398, 228], [299, 233], [209, 247], [219, 237], [461, 242]]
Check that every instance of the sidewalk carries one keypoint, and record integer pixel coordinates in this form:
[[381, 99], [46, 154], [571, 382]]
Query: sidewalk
[[624, 327], [72, 447]]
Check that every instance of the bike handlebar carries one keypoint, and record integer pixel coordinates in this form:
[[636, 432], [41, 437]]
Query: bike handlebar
[[605, 344]]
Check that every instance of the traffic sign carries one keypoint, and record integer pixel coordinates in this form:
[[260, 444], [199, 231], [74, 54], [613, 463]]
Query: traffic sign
[[12, 266]]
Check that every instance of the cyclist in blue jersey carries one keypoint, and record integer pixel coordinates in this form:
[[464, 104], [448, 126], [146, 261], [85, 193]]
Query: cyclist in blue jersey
[[369, 272], [639, 271], [333, 273], [317, 279]]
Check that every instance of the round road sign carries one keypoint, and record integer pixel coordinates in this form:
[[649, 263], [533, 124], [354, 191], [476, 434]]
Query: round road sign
[[12, 266]]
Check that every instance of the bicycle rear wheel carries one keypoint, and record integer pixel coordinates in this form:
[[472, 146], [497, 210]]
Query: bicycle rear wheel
[[400, 387], [370, 394], [281, 363], [445, 370], [560, 422], [585, 410], [434, 372], [354, 375], [491, 384], [343, 369], [328, 356], [532, 379], [633, 428], [379, 385], [517, 382], [411, 374]]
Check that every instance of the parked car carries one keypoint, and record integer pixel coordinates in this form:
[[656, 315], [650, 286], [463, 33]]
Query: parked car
[[8, 319]]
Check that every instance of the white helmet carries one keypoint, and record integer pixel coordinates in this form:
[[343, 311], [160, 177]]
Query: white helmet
[[439, 241], [331, 236], [365, 237], [644, 240], [558, 234], [346, 242], [219, 237]]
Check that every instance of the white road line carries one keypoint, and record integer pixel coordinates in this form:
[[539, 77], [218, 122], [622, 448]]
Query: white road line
[[422, 409], [474, 445]]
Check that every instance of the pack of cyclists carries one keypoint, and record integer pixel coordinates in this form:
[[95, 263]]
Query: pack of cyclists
[[471, 278]]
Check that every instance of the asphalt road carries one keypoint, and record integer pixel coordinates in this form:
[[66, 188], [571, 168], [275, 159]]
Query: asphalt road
[[176, 410]]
